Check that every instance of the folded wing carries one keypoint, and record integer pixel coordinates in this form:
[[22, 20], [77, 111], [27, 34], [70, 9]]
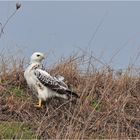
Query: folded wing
[[53, 83]]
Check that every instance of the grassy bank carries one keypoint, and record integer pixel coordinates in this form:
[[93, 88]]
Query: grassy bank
[[108, 106]]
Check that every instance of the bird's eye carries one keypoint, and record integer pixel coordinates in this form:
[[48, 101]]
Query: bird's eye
[[38, 55]]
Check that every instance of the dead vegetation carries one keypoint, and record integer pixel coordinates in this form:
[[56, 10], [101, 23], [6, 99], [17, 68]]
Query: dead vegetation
[[108, 106]]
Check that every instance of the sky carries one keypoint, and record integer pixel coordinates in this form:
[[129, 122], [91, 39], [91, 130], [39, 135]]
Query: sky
[[108, 29]]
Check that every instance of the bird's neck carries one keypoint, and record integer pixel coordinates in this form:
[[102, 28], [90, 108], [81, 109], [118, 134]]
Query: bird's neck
[[32, 64], [35, 62]]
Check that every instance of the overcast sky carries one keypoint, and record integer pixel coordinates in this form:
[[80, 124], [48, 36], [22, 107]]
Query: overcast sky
[[61, 28]]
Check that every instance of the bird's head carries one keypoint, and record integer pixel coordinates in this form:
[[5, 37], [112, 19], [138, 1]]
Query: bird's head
[[37, 57]]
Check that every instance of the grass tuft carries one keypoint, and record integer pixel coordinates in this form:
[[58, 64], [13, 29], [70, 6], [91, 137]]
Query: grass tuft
[[15, 130]]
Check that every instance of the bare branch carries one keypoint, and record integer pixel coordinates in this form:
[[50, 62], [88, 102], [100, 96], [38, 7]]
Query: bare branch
[[18, 5]]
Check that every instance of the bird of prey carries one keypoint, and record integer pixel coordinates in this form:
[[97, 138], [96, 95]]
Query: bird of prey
[[44, 85]]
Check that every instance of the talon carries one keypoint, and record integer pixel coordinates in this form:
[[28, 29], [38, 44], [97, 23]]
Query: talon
[[39, 104]]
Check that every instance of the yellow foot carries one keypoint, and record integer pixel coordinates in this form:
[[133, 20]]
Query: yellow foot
[[39, 104]]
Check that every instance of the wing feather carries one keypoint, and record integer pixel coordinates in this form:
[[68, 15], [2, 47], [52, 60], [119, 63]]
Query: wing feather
[[49, 81], [53, 83]]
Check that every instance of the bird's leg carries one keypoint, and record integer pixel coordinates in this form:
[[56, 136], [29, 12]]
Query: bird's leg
[[39, 104], [47, 104]]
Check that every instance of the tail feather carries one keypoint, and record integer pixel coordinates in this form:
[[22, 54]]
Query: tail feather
[[72, 93]]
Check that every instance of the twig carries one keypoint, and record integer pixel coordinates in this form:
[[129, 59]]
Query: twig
[[18, 5], [97, 29]]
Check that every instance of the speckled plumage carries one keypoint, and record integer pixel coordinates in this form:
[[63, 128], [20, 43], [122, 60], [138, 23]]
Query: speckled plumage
[[45, 85]]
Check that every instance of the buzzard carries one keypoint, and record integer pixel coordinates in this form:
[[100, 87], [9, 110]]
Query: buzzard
[[43, 85]]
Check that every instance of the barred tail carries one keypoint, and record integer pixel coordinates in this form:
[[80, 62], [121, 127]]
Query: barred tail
[[71, 93]]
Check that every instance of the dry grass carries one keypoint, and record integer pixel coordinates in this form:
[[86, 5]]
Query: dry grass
[[108, 106]]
